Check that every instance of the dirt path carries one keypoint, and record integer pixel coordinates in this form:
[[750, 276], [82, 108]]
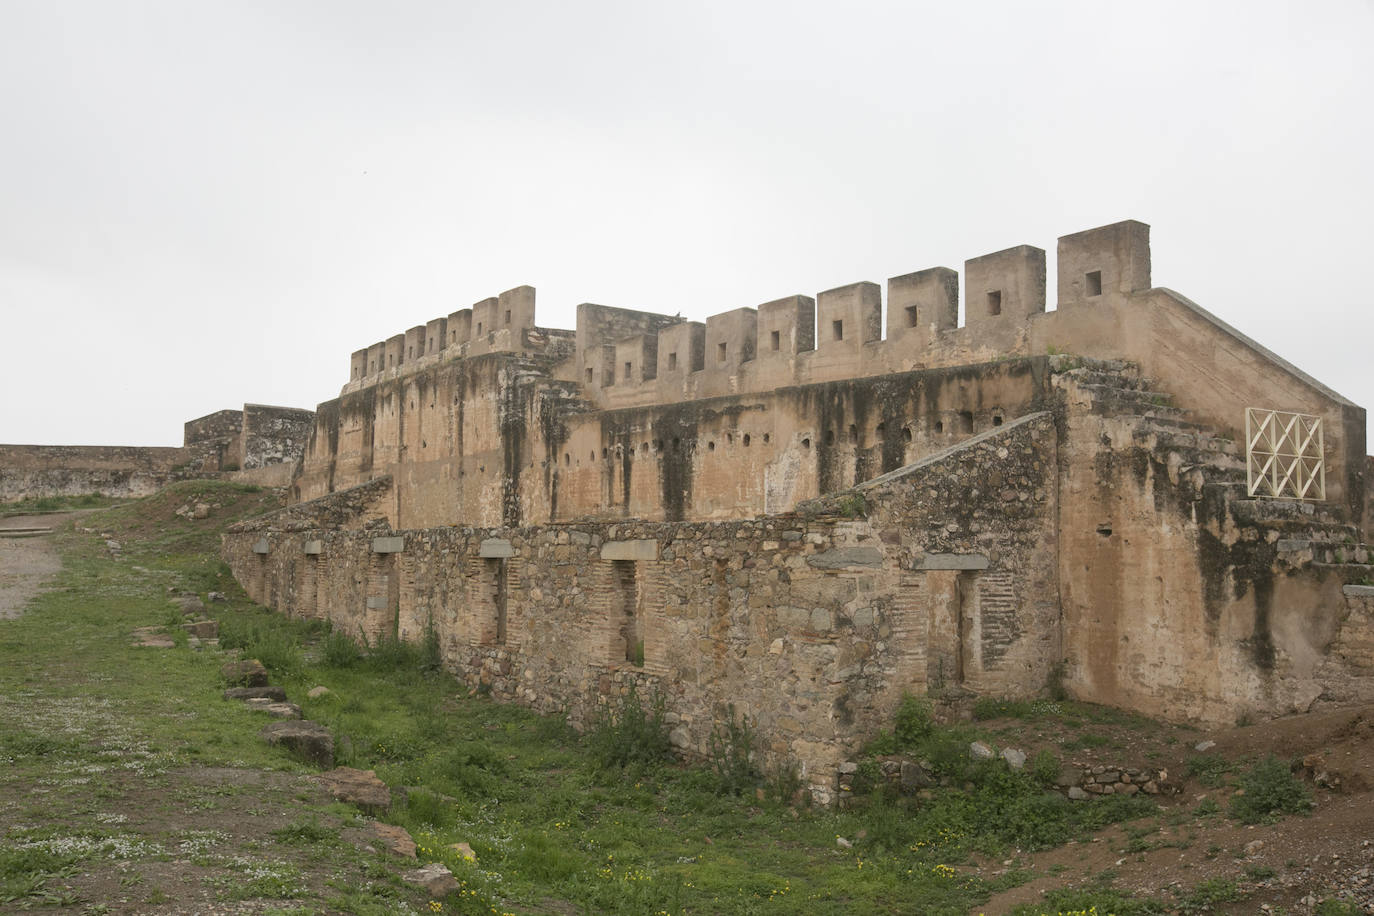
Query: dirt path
[[28, 562]]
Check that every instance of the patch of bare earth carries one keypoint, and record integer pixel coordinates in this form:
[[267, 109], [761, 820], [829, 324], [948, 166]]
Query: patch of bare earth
[[1283, 867], [27, 562]]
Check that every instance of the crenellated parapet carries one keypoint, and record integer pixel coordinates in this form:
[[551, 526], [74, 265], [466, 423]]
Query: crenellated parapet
[[626, 360], [626, 357], [499, 324], [857, 330]]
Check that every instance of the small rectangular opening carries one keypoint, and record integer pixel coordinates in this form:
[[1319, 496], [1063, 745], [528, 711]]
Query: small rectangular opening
[[410, 352], [720, 352], [590, 374], [496, 582], [965, 421], [629, 371], [775, 340], [1093, 282], [837, 330], [911, 316], [631, 623], [507, 317], [672, 361], [995, 302], [608, 377], [479, 329]]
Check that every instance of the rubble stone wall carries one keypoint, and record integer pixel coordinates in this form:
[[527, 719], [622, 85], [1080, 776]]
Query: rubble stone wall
[[811, 625]]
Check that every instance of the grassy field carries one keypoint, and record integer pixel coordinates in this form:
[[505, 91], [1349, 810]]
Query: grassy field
[[106, 748]]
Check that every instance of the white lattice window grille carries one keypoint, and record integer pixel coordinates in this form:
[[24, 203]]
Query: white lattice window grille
[[1284, 455]]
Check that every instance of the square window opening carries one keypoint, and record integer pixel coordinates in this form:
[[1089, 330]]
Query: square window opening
[[911, 316], [837, 330], [995, 302], [1093, 282], [776, 340], [720, 352], [672, 361]]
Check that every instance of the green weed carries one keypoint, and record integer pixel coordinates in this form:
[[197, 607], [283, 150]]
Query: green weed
[[630, 734], [1269, 790], [1209, 769]]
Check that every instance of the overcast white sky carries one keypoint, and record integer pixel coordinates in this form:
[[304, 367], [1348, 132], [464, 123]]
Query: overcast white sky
[[203, 204]]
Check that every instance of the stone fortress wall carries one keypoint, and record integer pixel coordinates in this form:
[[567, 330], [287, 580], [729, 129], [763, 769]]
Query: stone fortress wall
[[258, 444], [784, 509], [755, 409]]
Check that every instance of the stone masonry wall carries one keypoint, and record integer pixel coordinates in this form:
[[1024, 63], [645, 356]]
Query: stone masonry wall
[[813, 626], [274, 435], [74, 470]]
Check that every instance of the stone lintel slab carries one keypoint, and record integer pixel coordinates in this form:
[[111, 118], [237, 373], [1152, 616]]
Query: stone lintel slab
[[1359, 591], [376, 604], [847, 558], [960, 561], [313, 547], [393, 544], [260, 546], [495, 549], [645, 549]]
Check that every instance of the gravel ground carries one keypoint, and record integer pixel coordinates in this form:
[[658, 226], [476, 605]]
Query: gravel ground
[[27, 563]]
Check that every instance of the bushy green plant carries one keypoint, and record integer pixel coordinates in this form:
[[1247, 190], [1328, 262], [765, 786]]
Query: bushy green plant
[[1044, 767], [731, 752], [1267, 790], [785, 781], [1208, 769], [391, 654], [277, 650], [267, 641], [630, 734], [431, 654], [914, 721], [340, 651]]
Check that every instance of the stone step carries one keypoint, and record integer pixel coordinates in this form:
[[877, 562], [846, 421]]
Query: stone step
[[1326, 553], [1067, 363], [1177, 437], [1104, 379]]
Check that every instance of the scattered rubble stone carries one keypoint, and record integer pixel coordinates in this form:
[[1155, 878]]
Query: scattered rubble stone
[[277, 694], [980, 751], [1016, 759], [308, 740], [434, 878], [357, 787], [394, 839], [202, 629], [246, 673], [274, 708], [317, 692]]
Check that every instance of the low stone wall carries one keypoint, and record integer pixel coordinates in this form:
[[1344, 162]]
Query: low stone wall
[[811, 626], [35, 471]]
